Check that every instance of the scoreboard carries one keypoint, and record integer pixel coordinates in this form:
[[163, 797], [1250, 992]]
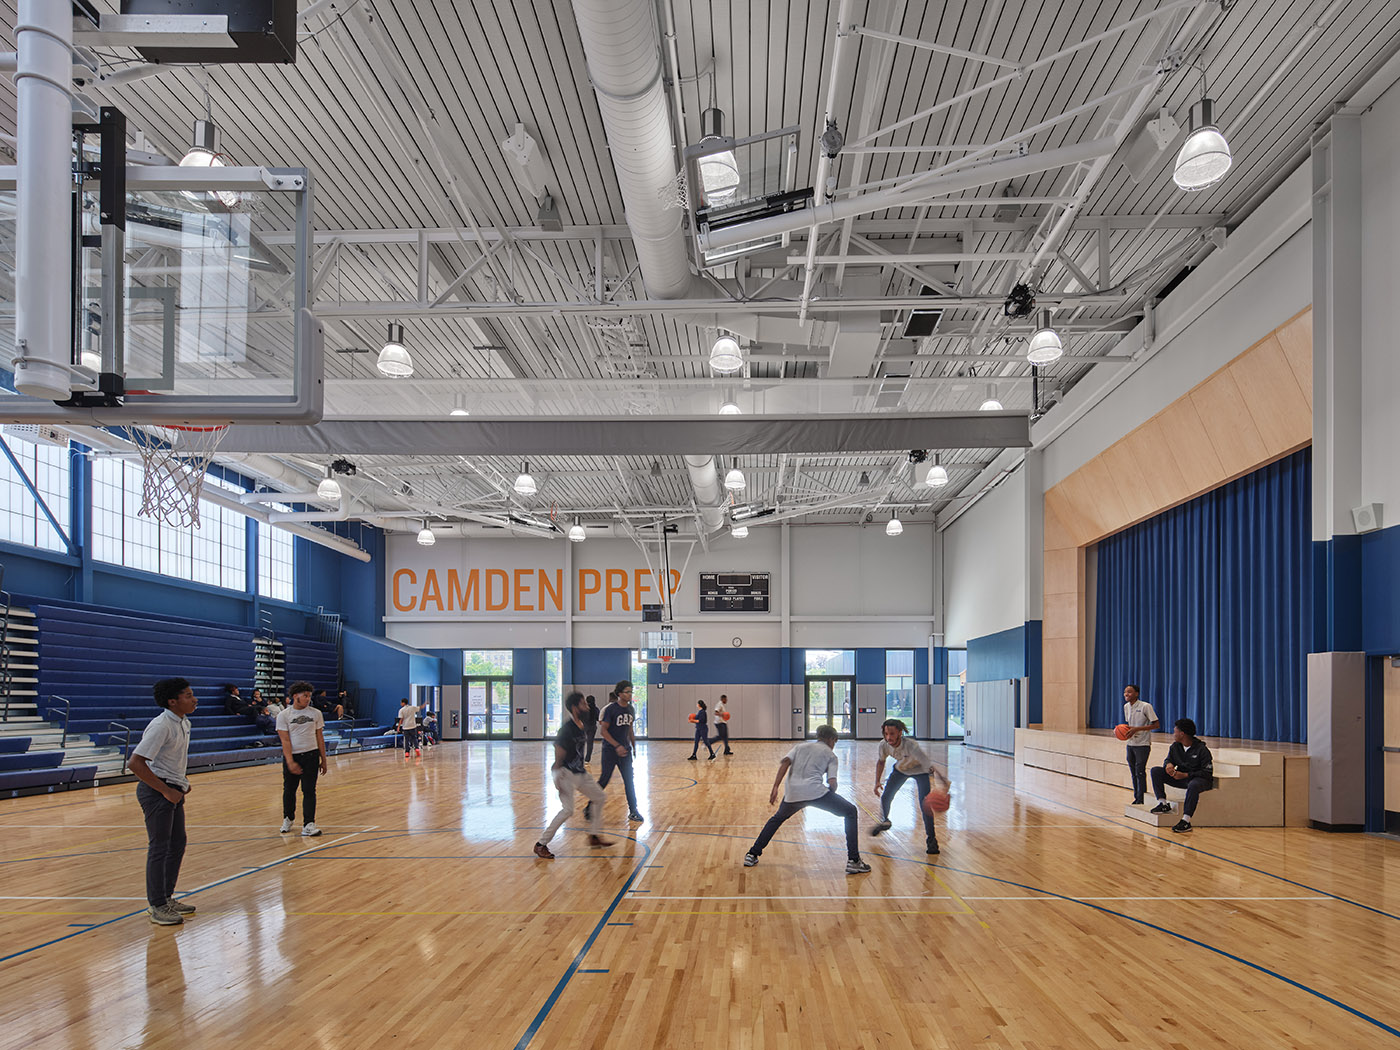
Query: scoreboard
[[734, 592]]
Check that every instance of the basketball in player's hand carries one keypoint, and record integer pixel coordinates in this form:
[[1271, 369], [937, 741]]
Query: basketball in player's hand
[[692, 718], [1122, 731], [938, 798], [724, 715]]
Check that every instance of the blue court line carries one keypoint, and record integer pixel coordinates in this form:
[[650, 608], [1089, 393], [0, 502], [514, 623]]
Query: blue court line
[[590, 971], [619, 924], [1170, 933], [1138, 828], [641, 891], [82, 924], [563, 983], [656, 865]]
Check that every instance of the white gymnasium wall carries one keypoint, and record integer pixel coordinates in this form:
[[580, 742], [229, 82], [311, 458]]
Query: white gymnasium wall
[[1380, 287], [1259, 280], [852, 586], [984, 565]]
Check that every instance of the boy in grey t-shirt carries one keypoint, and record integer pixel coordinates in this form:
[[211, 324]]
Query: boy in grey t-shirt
[[813, 783], [910, 763], [159, 762], [301, 728]]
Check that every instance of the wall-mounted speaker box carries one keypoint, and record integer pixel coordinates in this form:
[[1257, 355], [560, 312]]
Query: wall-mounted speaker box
[[1367, 517], [264, 30]]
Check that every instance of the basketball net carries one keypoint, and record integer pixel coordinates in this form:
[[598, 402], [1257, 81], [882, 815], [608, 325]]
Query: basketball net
[[665, 661], [176, 459], [673, 195]]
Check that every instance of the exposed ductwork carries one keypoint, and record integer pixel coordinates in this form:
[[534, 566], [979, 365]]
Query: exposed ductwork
[[622, 44], [709, 493]]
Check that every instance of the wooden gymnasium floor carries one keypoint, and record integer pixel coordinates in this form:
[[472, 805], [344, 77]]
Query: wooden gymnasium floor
[[421, 919]]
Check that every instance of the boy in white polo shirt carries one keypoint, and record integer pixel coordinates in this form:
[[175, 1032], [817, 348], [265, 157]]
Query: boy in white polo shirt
[[301, 729], [159, 763], [813, 783]]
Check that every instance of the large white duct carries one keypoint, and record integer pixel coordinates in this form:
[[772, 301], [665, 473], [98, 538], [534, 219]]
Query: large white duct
[[623, 47], [709, 493]]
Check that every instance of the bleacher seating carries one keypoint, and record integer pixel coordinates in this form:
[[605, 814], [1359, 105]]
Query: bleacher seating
[[103, 662]]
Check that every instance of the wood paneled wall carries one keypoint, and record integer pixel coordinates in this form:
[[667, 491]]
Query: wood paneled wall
[[1254, 410]]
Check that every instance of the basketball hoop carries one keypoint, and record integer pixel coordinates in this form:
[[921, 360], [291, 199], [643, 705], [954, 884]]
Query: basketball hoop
[[665, 658], [176, 459], [673, 195]]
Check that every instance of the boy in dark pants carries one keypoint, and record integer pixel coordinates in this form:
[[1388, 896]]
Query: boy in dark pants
[[1139, 716], [302, 731], [619, 744], [910, 763], [1188, 766], [810, 762], [159, 762]]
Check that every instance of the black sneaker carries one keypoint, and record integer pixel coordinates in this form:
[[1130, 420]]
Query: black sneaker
[[692, 758], [588, 811], [1137, 801], [932, 848], [1162, 807], [1182, 825], [879, 826], [750, 859], [856, 867], [636, 818]]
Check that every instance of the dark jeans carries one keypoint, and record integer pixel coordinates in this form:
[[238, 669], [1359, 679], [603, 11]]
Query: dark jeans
[[921, 783], [831, 802], [1137, 764], [1193, 785], [410, 740], [165, 836], [588, 748], [611, 759], [701, 737], [310, 762], [721, 734]]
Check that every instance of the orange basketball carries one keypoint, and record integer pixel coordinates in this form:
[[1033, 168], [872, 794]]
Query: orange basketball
[[724, 715], [938, 799], [1122, 731], [692, 717]]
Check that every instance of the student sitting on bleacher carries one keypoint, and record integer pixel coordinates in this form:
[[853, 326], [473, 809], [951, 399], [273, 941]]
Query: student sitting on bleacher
[[234, 704], [1188, 765]]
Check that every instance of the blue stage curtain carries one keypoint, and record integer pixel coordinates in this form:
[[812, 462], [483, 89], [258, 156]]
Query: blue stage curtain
[[1207, 608]]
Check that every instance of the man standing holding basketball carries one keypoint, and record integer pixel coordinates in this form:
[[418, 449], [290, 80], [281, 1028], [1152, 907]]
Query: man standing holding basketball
[[910, 763], [1142, 721], [722, 723]]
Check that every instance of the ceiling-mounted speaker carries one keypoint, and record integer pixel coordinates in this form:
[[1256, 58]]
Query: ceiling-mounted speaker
[[1367, 517], [262, 30]]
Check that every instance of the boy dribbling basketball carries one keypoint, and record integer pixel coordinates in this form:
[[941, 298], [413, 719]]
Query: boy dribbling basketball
[[910, 763]]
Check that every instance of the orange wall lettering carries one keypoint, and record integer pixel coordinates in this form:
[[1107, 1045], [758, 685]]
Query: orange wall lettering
[[556, 591], [492, 575], [430, 592], [617, 584], [522, 590], [398, 579], [590, 581], [456, 599]]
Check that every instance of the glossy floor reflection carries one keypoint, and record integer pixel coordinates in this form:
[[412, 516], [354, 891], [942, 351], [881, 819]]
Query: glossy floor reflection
[[421, 918]]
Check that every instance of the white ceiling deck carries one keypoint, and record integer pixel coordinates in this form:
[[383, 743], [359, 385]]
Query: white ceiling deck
[[399, 109]]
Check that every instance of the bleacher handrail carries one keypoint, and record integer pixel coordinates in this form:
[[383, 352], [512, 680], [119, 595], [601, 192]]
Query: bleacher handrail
[[126, 747], [67, 710]]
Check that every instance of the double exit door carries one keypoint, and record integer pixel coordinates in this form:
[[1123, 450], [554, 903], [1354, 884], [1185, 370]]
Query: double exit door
[[831, 701], [487, 708]]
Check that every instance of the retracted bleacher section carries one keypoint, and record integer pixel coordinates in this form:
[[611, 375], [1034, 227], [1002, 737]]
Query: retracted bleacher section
[[96, 667]]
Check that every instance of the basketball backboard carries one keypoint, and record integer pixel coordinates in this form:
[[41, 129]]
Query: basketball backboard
[[667, 646], [211, 324]]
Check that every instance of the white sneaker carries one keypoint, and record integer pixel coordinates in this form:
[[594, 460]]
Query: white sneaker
[[286, 825], [856, 867], [311, 830], [750, 859]]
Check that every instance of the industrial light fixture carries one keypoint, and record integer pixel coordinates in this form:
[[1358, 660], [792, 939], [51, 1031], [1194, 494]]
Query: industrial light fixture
[[394, 361], [729, 408], [725, 356], [719, 171], [991, 404], [525, 484], [577, 534], [739, 531], [735, 481], [425, 536], [937, 474], [203, 153], [1205, 155], [459, 405], [329, 489], [1045, 345], [894, 526]]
